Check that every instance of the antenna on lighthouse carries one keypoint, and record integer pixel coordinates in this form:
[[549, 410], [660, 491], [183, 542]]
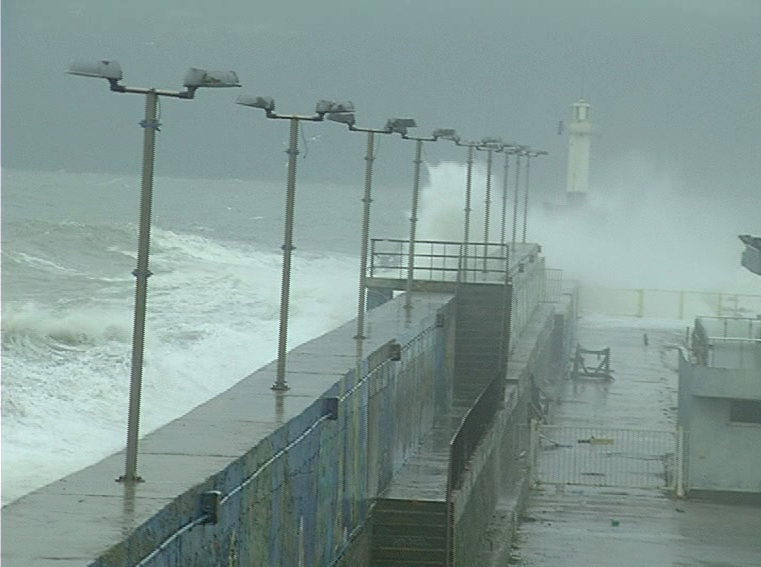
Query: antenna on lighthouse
[[579, 137]]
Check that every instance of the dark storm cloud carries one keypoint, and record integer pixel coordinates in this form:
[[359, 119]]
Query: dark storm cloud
[[676, 81]]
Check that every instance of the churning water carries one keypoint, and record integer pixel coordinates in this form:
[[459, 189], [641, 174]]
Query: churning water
[[69, 246]]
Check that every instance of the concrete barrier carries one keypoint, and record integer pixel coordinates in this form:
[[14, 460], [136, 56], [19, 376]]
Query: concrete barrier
[[253, 476]]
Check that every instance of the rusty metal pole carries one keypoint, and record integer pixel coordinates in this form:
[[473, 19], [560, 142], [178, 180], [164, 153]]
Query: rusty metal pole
[[369, 158], [142, 273], [413, 225], [282, 348], [487, 203]]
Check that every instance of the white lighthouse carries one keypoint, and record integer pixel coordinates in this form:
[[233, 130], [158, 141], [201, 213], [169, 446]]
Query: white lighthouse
[[579, 137]]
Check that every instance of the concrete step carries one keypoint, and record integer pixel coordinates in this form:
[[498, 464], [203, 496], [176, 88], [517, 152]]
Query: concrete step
[[409, 533], [407, 556]]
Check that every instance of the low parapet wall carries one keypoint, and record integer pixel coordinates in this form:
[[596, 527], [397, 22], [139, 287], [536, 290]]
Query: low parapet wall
[[494, 488], [256, 477]]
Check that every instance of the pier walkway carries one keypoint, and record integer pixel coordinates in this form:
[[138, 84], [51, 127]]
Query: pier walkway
[[600, 526]]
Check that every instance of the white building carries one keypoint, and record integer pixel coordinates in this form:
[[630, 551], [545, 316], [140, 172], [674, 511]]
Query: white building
[[720, 405]]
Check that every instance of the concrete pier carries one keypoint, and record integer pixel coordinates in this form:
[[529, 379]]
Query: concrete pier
[[425, 419], [88, 518], [600, 526]]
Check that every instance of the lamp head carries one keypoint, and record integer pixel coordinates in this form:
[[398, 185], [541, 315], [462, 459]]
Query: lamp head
[[491, 143], [400, 125], [104, 69], [266, 103], [330, 107], [195, 78], [446, 134], [347, 118]]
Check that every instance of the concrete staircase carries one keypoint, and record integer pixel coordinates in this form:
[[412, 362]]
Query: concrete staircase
[[408, 533]]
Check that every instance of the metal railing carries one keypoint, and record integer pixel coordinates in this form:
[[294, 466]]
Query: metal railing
[[463, 444], [726, 342], [472, 428], [595, 456], [666, 304], [455, 262], [438, 260]]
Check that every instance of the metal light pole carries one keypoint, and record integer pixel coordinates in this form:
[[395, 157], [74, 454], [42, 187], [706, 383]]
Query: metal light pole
[[468, 193], [195, 78], [529, 155], [520, 150], [489, 145], [508, 151], [350, 120], [400, 127], [268, 105]]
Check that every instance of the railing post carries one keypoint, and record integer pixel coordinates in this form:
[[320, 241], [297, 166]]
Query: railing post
[[449, 511], [680, 462], [532, 452]]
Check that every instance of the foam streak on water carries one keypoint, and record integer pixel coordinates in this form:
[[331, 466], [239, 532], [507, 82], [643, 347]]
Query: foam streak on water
[[69, 244], [212, 311]]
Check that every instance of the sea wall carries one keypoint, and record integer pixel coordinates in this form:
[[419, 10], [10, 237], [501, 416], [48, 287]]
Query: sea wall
[[494, 489], [255, 477]]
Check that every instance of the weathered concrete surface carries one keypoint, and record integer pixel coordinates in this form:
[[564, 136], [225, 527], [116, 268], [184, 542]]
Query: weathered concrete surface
[[73, 521], [598, 527], [629, 527]]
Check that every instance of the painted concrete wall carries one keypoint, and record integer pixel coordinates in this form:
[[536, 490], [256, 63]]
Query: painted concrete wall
[[304, 508], [294, 486], [497, 465], [741, 384], [722, 456]]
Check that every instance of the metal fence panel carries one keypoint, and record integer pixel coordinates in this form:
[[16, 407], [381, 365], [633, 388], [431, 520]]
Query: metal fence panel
[[605, 457], [667, 304]]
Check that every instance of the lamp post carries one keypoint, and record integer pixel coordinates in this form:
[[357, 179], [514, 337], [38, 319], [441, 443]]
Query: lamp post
[[350, 120], [400, 127], [489, 145], [324, 107], [468, 193], [194, 79], [519, 151], [529, 155], [508, 150]]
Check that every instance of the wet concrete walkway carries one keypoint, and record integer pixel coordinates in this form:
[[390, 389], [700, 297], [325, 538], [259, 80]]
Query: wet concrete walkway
[[626, 527]]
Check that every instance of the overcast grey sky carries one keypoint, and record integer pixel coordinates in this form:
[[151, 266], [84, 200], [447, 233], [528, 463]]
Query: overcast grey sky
[[675, 82]]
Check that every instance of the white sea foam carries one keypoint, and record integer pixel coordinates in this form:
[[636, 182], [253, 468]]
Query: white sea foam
[[212, 318], [213, 302]]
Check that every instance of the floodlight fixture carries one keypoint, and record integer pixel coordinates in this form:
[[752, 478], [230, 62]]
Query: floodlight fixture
[[196, 78], [264, 102], [467, 143], [510, 148], [446, 134], [400, 125], [104, 69], [347, 118], [491, 143], [330, 107]]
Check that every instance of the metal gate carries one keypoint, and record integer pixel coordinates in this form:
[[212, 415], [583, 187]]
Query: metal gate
[[606, 457]]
